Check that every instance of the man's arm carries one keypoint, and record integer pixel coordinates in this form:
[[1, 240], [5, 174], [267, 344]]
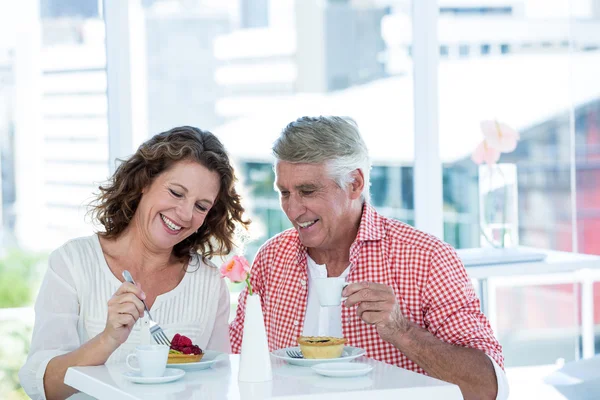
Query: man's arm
[[455, 340], [468, 368]]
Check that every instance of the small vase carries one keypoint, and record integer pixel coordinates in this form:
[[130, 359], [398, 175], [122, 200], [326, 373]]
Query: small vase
[[255, 360], [498, 206]]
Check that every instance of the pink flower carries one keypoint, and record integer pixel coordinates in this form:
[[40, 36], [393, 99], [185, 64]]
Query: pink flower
[[500, 136], [237, 269], [485, 153]]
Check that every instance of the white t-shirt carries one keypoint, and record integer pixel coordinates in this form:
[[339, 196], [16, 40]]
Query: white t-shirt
[[327, 321], [71, 308]]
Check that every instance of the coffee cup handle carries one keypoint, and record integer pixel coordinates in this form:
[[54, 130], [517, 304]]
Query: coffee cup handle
[[344, 287], [128, 364]]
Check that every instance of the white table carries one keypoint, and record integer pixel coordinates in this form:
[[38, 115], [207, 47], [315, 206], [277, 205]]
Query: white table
[[289, 383], [557, 267], [555, 262]]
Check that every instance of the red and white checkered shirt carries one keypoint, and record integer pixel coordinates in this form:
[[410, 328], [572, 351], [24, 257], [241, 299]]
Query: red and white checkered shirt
[[430, 282]]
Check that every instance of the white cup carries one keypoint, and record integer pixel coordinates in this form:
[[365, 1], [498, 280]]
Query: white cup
[[152, 360], [329, 291]]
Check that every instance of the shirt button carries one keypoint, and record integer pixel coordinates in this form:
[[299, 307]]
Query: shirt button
[[303, 282], [296, 323]]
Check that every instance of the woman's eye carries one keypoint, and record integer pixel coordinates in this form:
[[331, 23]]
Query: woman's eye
[[174, 193], [201, 207]]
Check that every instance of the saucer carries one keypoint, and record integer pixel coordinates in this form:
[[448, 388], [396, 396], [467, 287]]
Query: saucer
[[342, 369], [170, 375]]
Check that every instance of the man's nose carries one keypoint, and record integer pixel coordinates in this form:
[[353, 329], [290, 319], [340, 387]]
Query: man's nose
[[295, 207]]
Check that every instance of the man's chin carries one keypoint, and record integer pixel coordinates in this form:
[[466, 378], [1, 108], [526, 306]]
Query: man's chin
[[308, 241]]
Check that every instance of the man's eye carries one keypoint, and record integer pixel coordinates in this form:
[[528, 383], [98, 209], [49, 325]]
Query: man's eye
[[174, 193], [284, 194], [307, 192]]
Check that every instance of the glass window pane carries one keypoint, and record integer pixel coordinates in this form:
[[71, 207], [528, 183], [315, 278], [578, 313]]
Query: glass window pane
[[534, 71], [538, 324], [53, 129], [523, 79]]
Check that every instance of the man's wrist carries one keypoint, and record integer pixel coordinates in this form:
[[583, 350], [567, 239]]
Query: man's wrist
[[404, 336]]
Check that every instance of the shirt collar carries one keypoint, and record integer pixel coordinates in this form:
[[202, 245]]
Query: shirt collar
[[371, 225]]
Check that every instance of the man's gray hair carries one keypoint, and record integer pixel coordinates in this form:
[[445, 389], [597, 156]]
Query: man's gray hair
[[334, 141]]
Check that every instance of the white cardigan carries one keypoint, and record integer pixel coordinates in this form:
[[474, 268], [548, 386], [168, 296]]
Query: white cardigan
[[71, 308]]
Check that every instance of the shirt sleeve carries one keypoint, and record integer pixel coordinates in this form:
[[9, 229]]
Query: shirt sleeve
[[219, 338], [55, 329], [502, 381], [452, 311], [236, 328]]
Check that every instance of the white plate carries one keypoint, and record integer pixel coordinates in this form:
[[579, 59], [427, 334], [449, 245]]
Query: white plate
[[170, 375], [210, 357], [343, 369], [349, 353]]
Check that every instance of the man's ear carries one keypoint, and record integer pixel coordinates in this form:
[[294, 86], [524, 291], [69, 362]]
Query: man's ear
[[358, 184]]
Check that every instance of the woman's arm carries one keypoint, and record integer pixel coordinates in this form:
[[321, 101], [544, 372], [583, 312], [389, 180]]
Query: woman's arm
[[55, 330], [124, 309], [94, 352], [56, 344]]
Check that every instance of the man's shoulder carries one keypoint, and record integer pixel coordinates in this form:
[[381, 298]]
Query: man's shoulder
[[286, 240], [406, 235]]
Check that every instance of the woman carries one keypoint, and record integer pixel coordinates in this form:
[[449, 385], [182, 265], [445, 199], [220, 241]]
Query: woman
[[165, 212]]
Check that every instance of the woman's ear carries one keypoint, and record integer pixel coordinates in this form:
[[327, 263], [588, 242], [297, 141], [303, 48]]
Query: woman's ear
[[358, 184]]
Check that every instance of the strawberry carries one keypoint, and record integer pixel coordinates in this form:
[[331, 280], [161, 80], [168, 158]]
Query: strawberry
[[183, 344], [175, 340], [185, 341]]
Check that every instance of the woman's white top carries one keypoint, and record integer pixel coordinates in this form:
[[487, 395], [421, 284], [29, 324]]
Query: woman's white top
[[71, 308]]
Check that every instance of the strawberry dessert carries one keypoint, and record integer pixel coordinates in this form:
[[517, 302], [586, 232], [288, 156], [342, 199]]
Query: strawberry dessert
[[183, 350]]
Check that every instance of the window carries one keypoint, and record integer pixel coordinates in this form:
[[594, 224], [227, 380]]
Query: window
[[54, 134], [544, 92]]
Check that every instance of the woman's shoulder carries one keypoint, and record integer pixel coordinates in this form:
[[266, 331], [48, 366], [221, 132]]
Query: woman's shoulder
[[203, 266], [85, 247], [80, 244]]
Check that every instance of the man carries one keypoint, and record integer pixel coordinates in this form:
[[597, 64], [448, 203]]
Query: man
[[411, 303]]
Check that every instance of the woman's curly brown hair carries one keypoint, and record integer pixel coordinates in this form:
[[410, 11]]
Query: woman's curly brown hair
[[118, 200]]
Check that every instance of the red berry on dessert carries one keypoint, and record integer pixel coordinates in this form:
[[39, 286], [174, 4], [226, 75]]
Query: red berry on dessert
[[183, 350]]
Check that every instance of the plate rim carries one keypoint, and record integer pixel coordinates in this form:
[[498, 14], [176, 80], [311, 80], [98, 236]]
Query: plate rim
[[361, 352], [328, 369], [201, 362], [178, 373], [331, 367]]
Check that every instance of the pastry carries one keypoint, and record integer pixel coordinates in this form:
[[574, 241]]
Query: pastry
[[183, 350], [321, 346]]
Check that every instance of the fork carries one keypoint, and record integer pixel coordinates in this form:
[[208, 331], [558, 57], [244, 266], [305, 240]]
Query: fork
[[155, 329], [294, 354]]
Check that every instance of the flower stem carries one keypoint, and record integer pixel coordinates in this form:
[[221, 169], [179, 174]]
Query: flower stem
[[249, 285], [504, 206]]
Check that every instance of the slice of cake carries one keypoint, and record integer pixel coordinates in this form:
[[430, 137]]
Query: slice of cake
[[183, 350], [321, 346]]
